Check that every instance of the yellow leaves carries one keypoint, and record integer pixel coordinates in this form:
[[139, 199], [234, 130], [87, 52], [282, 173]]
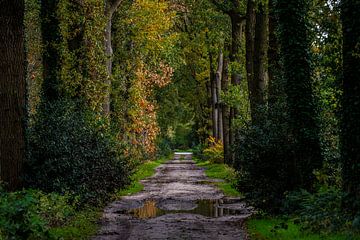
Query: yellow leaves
[[215, 150], [151, 22]]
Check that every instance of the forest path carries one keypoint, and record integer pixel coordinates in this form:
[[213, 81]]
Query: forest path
[[178, 202]]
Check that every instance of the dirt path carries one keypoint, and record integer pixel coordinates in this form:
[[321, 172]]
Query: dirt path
[[178, 202]]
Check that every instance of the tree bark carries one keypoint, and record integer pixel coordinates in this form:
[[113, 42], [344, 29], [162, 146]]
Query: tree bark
[[257, 91], [249, 32], [12, 92], [350, 140], [237, 22], [218, 77], [110, 8], [213, 98], [225, 110], [51, 38], [296, 64], [273, 57]]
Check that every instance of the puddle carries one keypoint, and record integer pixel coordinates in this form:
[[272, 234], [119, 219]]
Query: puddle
[[207, 208]]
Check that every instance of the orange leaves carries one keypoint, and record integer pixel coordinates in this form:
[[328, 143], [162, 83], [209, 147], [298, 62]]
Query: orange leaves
[[150, 79], [143, 127]]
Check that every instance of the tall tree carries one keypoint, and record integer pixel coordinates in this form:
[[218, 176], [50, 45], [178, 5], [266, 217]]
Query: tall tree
[[225, 108], [12, 91], [273, 55], [51, 39], [250, 36], [234, 10], [110, 8], [218, 78], [257, 90], [295, 45], [350, 140], [73, 52]]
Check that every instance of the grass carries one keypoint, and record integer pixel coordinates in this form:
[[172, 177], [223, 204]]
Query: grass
[[264, 229], [83, 226], [220, 171], [145, 170]]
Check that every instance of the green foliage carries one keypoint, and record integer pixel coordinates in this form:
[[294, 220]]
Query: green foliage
[[145, 170], [350, 128], [73, 154], [214, 152], [81, 226], [144, 58], [327, 55], [29, 214], [19, 216], [237, 97], [320, 211], [81, 50], [296, 65], [223, 172], [264, 158], [33, 215], [33, 47], [282, 229], [164, 146]]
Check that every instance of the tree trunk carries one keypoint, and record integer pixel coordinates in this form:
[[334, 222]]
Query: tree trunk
[[13, 92], [257, 92], [295, 49], [51, 59], [213, 99], [108, 53], [218, 77], [350, 140], [225, 111], [273, 57], [249, 32], [237, 22], [110, 8]]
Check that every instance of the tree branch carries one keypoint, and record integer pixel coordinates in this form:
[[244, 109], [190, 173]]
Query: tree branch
[[111, 6]]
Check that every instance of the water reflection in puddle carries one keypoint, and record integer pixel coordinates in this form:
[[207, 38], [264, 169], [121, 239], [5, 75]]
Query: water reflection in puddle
[[207, 208]]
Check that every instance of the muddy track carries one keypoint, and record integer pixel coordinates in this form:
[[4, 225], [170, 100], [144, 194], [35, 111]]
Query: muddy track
[[178, 202]]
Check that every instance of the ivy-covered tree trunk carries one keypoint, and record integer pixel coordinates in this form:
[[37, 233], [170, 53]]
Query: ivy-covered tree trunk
[[110, 8], [12, 92], [257, 90], [237, 23], [295, 45], [213, 98], [73, 53], [250, 36], [226, 110], [51, 40], [273, 56], [350, 139]]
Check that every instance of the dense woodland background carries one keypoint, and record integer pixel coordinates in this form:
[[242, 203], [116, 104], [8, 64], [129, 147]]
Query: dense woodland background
[[90, 89]]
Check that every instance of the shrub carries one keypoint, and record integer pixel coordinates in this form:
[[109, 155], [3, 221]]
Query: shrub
[[29, 214], [318, 212], [214, 152], [264, 159], [19, 218], [72, 152], [198, 151], [164, 146]]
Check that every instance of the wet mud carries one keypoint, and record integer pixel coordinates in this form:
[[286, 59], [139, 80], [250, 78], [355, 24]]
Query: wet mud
[[178, 202]]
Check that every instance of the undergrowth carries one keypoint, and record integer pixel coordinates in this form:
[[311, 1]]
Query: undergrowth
[[280, 229], [223, 172], [145, 170]]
